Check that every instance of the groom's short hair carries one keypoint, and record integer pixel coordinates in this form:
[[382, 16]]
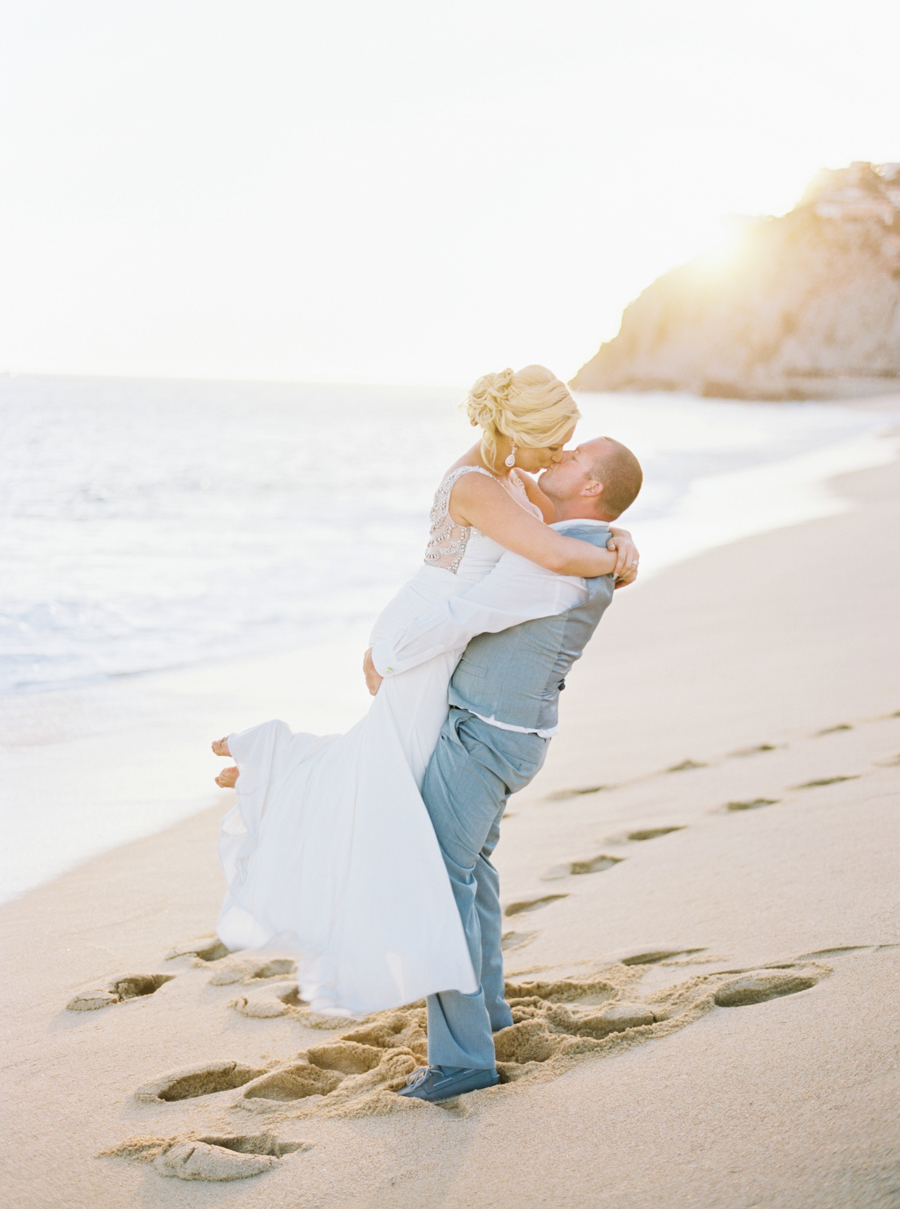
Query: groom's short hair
[[620, 473]]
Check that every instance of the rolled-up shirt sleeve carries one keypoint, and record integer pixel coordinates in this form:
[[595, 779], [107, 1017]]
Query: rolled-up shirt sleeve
[[516, 590]]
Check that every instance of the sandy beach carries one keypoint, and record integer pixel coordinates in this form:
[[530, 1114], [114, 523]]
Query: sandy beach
[[703, 947]]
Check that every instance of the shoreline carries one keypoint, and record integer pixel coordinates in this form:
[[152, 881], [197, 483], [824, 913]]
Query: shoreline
[[730, 744], [808, 389]]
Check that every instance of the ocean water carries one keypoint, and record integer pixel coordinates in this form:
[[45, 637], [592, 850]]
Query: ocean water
[[181, 559]]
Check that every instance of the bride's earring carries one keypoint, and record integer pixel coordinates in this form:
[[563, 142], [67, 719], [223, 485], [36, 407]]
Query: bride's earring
[[511, 460]]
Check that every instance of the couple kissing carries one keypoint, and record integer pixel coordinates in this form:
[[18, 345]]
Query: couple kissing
[[368, 854]]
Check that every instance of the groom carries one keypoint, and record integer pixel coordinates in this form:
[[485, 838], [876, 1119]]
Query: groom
[[524, 627]]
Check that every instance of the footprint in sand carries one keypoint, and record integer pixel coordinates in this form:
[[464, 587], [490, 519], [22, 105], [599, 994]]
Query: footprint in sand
[[554, 1025], [292, 1082], [652, 833], [827, 781], [516, 940], [283, 999], [832, 730], [196, 1081], [685, 766], [272, 1000], [759, 987], [752, 804], [203, 948], [751, 751], [231, 967], [562, 794], [118, 990], [597, 864], [323, 1069], [232, 1157], [640, 836], [532, 904], [844, 950], [555, 1022], [340, 1077], [657, 955], [251, 969]]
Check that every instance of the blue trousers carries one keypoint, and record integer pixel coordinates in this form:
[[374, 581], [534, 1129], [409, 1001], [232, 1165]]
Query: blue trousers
[[474, 769]]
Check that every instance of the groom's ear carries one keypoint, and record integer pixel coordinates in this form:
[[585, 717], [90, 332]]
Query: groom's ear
[[593, 488]]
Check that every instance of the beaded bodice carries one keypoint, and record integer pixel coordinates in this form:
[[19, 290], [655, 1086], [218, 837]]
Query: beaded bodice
[[447, 541]]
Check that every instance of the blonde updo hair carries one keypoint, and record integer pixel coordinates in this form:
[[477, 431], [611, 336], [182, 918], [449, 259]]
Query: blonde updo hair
[[530, 406]]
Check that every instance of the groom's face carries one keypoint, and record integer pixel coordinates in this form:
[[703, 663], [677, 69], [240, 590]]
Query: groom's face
[[574, 471]]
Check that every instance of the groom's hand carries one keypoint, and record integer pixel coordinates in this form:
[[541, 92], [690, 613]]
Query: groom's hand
[[627, 557], [373, 680]]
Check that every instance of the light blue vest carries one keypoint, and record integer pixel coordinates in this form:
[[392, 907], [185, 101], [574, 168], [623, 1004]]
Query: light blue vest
[[516, 676]]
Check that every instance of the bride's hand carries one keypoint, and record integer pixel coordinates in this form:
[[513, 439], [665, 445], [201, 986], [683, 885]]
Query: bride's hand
[[627, 557], [373, 680]]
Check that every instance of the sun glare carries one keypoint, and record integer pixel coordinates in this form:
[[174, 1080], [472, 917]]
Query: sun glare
[[725, 246]]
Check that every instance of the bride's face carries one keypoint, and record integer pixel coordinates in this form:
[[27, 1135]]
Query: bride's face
[[533, 460]]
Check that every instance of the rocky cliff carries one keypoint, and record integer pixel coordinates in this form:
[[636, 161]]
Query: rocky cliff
[[808, 306]]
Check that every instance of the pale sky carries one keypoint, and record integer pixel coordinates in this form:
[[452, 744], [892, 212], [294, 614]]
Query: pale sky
[[398, 190]]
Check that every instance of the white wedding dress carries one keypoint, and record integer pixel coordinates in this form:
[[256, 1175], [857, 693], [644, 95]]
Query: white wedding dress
[[329, 852]]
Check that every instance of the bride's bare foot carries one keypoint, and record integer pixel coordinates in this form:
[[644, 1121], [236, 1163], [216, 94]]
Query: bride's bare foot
[[220, 747], [227, 778]]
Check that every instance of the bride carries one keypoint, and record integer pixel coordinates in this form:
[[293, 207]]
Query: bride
[[329, 851]]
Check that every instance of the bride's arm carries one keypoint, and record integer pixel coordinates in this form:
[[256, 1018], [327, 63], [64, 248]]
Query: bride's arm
[[620, 539], [481, 501]]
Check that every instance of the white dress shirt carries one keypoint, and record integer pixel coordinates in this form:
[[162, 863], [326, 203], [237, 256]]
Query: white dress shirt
[[516, 590]]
